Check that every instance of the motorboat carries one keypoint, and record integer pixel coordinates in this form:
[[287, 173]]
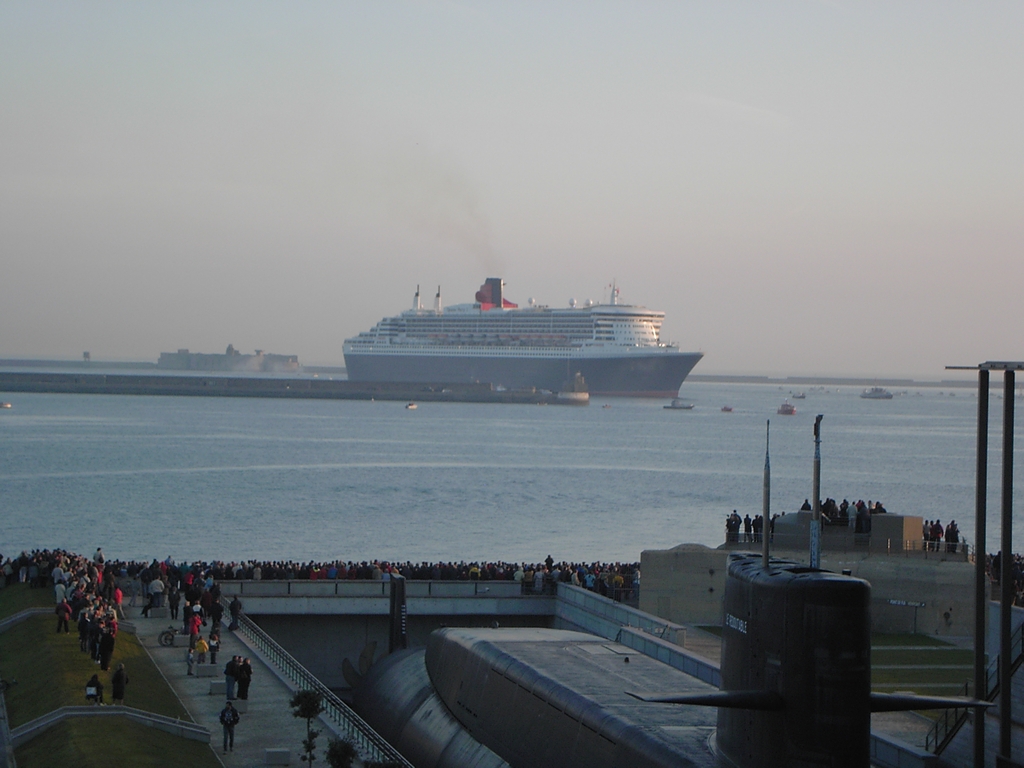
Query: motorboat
[[726, 409], [876, 393], [800, 396], [410, 406], [787, 409], [5, 405], [679, 405]]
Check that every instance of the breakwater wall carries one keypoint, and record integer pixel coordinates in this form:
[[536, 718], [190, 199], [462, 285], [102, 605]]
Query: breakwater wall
[[258, 386]]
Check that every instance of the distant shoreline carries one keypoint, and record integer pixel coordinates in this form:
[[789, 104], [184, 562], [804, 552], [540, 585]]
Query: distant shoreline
[[792, 381]]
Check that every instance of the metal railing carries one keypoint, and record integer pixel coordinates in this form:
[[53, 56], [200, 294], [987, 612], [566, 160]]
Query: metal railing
[[16, 618], [951, 720], [182, 728], [382, 589], [370, 744]]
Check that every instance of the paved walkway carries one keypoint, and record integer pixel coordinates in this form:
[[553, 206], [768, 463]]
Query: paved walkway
[[268, 723]]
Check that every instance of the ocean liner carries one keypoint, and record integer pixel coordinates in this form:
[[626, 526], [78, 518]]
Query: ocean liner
[[615, 347]]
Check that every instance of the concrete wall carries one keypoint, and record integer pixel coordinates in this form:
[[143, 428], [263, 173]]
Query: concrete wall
[[320, 643], [685, 585]]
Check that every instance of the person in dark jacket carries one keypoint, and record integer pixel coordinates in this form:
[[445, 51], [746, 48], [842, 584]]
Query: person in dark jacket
[[63, 614], [244, 678], [94, 690], [106, 648], [231, 677], [118, 682], [235, 608], [229, 719]]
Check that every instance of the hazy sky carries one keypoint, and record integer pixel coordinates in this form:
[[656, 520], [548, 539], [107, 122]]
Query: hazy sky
[[803, 187]]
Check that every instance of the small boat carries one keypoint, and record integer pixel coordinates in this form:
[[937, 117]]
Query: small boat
[[800, 396], [606, 405], [679, 405], [876, 393], [6, 405], [787, 409], [410, 406], [726, 409]]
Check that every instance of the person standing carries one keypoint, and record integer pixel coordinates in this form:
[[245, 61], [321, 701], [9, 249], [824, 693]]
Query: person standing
[[106, 648], [173, 601], [194, 623], [235, 609], [230, 677], [201, 648], [118, 598], [244, 678], [63, 614], [214, 643], [156, 591], [229, 719], [118, 682]]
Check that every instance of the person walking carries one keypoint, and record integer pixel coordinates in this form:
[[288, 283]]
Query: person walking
[[118, 682], [229, 719]]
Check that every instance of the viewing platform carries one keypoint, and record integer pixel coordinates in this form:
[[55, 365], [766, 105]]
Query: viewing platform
[[889, 535]]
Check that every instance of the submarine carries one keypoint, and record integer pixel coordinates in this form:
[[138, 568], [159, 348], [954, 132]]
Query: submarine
[[796, 674]]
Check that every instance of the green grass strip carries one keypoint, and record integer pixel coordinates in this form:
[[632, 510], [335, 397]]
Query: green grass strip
[[18, 597], [51, 672], [103, 743]]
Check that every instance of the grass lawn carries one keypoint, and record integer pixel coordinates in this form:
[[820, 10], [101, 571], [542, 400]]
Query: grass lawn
[[52, 672], [18, 597], [103, 743]]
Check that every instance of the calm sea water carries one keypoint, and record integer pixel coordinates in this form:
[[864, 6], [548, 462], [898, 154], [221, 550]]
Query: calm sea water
[[235, 478]]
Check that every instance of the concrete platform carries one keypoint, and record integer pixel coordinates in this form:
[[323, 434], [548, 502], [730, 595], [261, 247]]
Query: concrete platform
[[267, 723], [277, 757]]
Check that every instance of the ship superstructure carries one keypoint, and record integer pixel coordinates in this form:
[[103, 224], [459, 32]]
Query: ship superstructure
[[617, 348]]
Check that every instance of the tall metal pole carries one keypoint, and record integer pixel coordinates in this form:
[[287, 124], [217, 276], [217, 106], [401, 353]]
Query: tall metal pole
[[766, 495], [1006, 571], [980, 573], [816, 514]]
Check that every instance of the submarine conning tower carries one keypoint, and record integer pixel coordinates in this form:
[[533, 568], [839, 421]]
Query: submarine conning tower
[[803, 634]]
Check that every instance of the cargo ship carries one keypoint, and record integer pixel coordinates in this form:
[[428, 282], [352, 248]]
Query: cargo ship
[[616, 348]]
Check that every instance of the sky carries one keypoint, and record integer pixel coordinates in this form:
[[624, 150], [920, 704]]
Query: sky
[[803, 187]]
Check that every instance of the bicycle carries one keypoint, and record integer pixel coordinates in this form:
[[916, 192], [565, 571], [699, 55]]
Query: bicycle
[[166, 638]]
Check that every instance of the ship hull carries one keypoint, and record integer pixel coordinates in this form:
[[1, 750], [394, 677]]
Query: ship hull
[[632, 375]]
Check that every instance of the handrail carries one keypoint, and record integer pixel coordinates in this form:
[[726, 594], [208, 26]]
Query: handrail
[[951, 720], [183, 728], [16, 618], [370, 744]]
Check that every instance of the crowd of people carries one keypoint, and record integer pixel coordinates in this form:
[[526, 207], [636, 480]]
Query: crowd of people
[[91, 593], [748, 529], [87, 595], [933, 534], [196, 586]]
